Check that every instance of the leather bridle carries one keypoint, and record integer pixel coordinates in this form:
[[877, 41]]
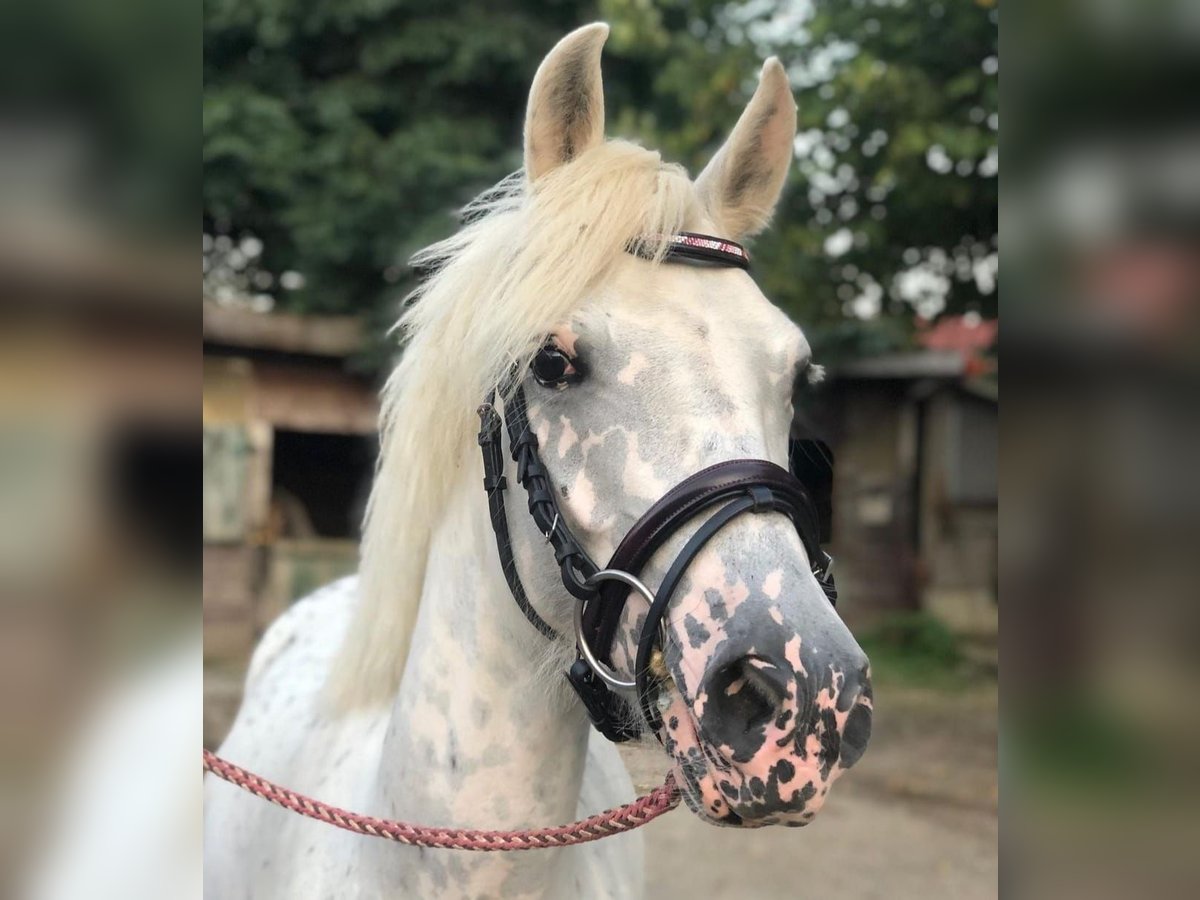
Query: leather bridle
[[734, 487]]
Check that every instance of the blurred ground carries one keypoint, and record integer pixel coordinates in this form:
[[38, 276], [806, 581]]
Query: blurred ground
[[916, 818]]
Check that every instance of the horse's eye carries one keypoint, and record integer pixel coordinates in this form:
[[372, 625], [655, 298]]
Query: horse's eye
[[553, 368]]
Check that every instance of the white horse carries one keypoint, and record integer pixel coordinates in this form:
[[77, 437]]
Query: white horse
[[418, 690]]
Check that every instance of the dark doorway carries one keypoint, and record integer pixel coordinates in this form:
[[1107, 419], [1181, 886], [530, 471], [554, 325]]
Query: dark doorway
[[320, 483], [154, 489]]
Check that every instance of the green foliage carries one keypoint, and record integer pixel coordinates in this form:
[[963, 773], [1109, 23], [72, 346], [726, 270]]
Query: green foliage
[[908, 120], [918, 635], [344, 135], [86, 129], [914, 647], [1075, 745]]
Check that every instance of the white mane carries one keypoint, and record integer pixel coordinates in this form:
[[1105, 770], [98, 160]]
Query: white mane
[[528, 258]]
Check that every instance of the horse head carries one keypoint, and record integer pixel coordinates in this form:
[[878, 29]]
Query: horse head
[[762, 694]]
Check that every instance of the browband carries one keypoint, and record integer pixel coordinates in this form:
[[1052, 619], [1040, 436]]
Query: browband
[[699, 248]]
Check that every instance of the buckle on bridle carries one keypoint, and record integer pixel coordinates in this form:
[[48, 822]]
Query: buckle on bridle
[[824, 574], [489, 420], [824, 569]]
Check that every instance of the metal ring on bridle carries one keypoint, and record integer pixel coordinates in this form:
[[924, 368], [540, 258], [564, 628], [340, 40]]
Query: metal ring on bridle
[[603, 672]]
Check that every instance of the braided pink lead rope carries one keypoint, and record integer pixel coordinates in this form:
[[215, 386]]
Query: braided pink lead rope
[[614, 821]]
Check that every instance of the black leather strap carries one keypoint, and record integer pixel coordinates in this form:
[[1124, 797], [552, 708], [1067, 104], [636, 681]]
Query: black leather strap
[[494, 483], [574, 563]]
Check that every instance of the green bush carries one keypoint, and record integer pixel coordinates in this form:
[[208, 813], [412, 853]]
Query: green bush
[[913, 646], [919, 635]]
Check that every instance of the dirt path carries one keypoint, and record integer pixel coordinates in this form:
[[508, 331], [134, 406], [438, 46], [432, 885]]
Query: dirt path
[[915, 819]]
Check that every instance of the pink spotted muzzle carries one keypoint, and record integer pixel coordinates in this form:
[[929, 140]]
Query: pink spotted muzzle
[[766, 697], [765, 736]]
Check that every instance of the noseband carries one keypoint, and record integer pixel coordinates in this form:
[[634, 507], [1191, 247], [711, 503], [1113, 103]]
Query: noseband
[[736, 487]]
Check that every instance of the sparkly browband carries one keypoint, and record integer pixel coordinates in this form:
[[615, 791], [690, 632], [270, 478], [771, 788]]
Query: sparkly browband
[[699, 247]]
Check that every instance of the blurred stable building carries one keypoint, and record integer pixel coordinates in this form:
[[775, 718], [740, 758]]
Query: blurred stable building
[[289, 448], [914, 436]]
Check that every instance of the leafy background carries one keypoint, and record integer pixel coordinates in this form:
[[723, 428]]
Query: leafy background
[[341, 137]]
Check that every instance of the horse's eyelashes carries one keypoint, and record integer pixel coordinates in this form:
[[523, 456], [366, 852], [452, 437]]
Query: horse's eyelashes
[[808, 376]]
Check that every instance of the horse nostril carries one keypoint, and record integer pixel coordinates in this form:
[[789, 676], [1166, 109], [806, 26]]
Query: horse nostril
[[742, 696], [856, 733]]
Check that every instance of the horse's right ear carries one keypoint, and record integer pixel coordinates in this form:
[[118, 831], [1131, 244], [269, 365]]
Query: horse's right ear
[[566, 103]]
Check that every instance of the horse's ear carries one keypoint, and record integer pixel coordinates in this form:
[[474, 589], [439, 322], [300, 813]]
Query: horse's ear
[[566, 103], [740, 186]]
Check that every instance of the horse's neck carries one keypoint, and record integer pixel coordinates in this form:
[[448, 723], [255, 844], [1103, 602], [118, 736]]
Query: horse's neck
[[474, 739]]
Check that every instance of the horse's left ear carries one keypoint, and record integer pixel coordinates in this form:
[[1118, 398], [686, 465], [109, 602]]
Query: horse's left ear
[[566, 102], [740, 186]]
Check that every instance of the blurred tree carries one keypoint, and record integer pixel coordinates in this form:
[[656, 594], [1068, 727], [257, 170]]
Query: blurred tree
[[83, 130], [344, 135], [895, 206], [341, 134], [891, 212]]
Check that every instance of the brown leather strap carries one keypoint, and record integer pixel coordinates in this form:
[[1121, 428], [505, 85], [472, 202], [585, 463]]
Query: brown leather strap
[[691, 496]]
